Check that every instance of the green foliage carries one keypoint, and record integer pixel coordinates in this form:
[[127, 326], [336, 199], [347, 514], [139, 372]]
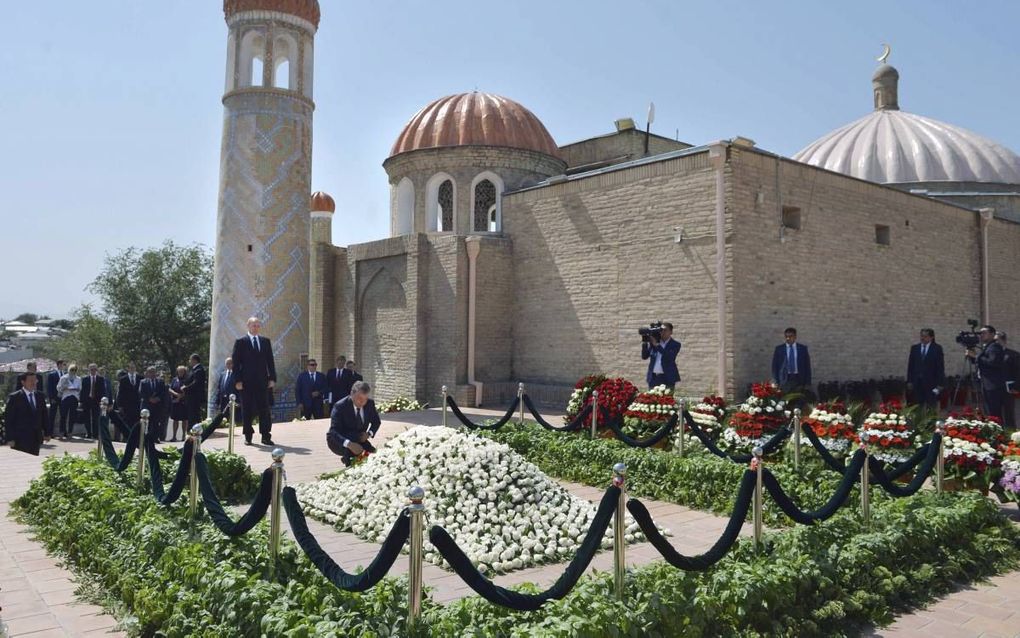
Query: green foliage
[[824, 580], [92, 340], [159, 301], [166, 575], [698, 479], [232, 479]]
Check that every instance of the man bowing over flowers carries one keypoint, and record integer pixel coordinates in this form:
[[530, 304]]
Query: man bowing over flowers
[[353, 422]]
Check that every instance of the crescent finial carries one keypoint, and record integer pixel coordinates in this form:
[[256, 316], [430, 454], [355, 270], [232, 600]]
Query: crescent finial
[[886, 50]]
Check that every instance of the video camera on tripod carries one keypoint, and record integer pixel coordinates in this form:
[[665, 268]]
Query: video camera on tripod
[[969, 339]]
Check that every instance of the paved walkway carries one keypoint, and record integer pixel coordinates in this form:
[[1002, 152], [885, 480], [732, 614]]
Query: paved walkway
[[36, 594]]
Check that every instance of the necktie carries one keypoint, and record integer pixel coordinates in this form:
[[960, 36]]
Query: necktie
[[924, 351], [255, 342], [92, 388], [361, 419], [791, 363], [31, 399]]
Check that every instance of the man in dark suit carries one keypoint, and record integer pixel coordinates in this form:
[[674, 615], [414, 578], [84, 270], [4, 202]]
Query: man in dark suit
[[926, 370], [333, 377], [1011, 362], [991, 367], [791, 363], [52, 379], [353, 421], [196, 384], [225, 387], [311, 390], [129, 396], [153, 395], [255, 372], [30, 369], [349, 377], [661, 353], [93, 389], [25, 417]]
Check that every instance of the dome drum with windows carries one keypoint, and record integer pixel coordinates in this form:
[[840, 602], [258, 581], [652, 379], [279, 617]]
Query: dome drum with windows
[[454, 159]]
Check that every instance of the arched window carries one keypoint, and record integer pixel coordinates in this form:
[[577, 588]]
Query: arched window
[[256, 72], [445, 201], [285, 55], [282, 79], [404, 222], [486, 214], [252, 58]]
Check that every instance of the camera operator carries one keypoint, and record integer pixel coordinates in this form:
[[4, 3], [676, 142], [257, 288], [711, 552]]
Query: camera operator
[[661, 350], [991, 365], [1011, 362]]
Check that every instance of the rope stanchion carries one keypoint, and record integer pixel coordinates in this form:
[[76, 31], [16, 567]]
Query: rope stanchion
[[233, 423], [256, 511], [520, 401], [827, 510], [196, 448], [681, 424], [619, 531], [504, 597], [341, 579], [274, 508], [940, 462], [143, 432], [416, 516], [445, 397], [594, 414], [573, 426], [663, 432], [758, 514], [184, 471], [721, 547], [865, 483], [475, 426], [880, 476], [104, 423], [796, 439]]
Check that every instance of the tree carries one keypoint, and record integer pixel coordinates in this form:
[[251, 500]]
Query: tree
[[159, 301], [91, 341], [28, 317]]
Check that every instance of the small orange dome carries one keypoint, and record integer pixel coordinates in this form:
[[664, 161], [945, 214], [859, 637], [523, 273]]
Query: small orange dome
[[307, 9], [475, 119], [322, 203]]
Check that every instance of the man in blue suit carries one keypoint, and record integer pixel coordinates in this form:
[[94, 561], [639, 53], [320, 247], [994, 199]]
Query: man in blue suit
[[661, 353], [52, 379], [926, 369], [353, 421], [311, 389], [791, 363]]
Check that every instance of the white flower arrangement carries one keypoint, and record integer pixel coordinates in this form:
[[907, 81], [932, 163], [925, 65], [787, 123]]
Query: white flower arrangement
[[837, 428], [502, 510]]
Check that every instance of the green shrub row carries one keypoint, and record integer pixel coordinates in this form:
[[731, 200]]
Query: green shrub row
[[232, 479], [697, 480]]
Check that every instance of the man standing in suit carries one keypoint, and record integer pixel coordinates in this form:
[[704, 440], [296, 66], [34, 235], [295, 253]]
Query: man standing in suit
[[353, 421], [153, 394], [991, 366], [661, 353], [311, 389], [225, 387], [255, 372], [1011, 363], [333, 377], [52, 379], [93, 389], [926, 370], [349, 377], [195, 386], [791, 363], [30, 369], [129, 397], [25, 418]]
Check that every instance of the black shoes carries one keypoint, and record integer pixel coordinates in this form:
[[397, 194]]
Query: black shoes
[[267, 441], [247, 440]]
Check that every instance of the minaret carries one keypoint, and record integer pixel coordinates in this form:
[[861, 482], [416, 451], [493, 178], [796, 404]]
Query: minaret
[[262, 226], [321, 309]]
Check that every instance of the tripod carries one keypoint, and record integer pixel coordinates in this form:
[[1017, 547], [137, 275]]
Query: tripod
[[967, 383]]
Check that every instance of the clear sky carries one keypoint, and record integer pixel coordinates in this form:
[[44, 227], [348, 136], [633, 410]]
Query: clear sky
[[111, 114]]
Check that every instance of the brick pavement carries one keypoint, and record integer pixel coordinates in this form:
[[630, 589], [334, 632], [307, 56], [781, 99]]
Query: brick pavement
[[37, 594]]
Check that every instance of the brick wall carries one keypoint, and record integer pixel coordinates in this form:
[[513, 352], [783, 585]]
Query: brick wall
[[617, 147]]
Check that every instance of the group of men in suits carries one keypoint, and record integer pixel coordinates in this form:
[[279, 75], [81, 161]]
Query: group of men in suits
[[315, 390], [998, 371]]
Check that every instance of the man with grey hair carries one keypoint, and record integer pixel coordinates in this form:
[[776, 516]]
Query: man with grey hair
[[1011, 360], [255, 377], [353, 422]]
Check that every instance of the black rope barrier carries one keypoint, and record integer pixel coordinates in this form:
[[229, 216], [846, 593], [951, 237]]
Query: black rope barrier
[[180, 477], [475, 426], [828, 459], [213, 425], [504, 597], [256, 511], [826, 511], [573, 426], [769, 447], [879, 475], [663, 432], [116, 461], [715, 553], [335, 574], [118, 422], [901, 468]]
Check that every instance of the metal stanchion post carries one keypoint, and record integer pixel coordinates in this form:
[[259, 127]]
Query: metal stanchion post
[[274, 520], [143, 428], [520, 400], [230, 427], [940, 462], [445, 394], [196, 447], [756, 465], [417, 513], [865, 480], [619, 529], [682, 425], [594, 413], [796, 439], [104, 407]]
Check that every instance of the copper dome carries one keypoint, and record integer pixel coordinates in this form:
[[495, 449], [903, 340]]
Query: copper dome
[[322, 203], [475, 119], [306, 9]]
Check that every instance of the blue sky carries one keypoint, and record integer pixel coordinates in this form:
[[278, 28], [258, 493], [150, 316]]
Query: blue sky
[[112, 117]]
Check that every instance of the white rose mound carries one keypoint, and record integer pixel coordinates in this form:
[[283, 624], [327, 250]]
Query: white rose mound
[[502, 510]]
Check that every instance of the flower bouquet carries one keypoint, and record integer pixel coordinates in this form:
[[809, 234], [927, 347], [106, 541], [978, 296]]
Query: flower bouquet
[[972, 449], [757, 420], [581, 396], [649, 412], [402, 404], [709, 415], [1009, 482], [833, 427], [888, 436]]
